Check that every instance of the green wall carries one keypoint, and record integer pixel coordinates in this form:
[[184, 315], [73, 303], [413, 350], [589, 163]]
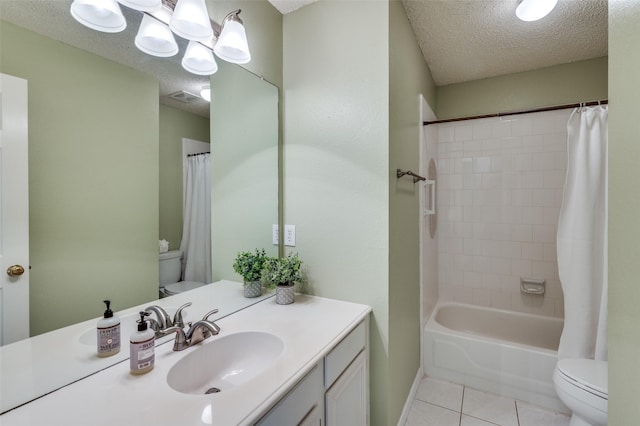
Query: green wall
[[244, 173], [350, 119], [175, 124], [263, 24], [561, 84], [93, 176], [409, 77], [624, 210]]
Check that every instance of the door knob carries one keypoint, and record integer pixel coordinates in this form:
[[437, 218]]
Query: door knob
[[15, 270]]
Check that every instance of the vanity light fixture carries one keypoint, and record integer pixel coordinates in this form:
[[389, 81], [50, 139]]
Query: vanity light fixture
[[205, 93], [142, 5], [532, 10], [156, 39], [199, 59], [99, 15], [188, 19], [232, 43]]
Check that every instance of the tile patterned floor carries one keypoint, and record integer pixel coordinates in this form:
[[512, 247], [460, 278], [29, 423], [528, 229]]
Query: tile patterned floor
[[439, 403]]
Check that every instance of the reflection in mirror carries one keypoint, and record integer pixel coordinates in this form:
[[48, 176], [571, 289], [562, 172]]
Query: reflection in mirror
[[94, 171]]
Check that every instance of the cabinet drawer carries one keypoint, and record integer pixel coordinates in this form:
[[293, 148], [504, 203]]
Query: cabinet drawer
[[342, 355], [298, 403]]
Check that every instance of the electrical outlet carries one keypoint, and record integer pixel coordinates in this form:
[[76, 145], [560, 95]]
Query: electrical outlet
[[290, 235], [275, 234]]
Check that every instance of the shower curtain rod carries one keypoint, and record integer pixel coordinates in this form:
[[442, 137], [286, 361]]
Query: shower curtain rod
[[503, 114], [200, 153]]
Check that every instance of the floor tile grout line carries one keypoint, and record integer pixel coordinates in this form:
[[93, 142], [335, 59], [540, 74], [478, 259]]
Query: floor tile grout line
[[482, 420], [429, 402], [461, 410], [461, 405]]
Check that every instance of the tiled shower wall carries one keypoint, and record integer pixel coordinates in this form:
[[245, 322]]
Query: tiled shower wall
[[500, 184]]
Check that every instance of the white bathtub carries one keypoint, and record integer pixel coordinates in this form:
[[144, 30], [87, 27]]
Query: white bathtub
[[503, 352]]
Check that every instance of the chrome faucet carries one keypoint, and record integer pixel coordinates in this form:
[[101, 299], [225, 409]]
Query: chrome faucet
[[177, 317], [162, 318], [197, 332], [164, 321]]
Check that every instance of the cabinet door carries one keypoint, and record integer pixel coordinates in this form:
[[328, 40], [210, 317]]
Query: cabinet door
[[296, 407], [346, 401], [313, 418]]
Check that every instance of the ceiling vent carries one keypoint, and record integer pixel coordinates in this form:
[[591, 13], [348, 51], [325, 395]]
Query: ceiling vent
[[184, 97]]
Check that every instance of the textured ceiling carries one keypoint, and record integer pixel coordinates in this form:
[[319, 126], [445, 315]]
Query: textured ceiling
[[461, 40], [465, 40], [51, 18], [286, 6]]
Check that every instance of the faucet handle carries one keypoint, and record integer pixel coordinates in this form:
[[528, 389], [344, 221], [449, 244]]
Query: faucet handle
[[177, 317], [208, 314]]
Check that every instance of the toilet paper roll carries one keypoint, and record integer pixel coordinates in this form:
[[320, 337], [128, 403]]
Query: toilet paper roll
[[163, 246]]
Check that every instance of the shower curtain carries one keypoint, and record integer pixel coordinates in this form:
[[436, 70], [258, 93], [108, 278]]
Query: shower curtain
[[582, 237], [196, 228]]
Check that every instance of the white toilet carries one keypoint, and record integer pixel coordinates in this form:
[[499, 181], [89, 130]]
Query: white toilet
[[582, 385], [170, 265]]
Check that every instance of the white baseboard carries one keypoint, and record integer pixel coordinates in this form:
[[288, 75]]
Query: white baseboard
[[410, 398]]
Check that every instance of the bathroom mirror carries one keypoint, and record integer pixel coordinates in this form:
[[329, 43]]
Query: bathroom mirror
[[94, 141]]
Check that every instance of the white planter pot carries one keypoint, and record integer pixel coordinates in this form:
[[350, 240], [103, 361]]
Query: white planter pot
[[285, 294], [252, 289]]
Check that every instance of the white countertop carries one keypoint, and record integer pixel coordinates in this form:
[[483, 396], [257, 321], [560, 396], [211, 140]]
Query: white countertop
[[41, 364], [309, 328]]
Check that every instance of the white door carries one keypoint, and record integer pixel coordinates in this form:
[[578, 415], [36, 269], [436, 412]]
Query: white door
[[14, 210]]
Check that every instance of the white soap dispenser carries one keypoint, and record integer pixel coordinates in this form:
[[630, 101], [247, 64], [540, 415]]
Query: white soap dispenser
[[108, 333], [141, 347]]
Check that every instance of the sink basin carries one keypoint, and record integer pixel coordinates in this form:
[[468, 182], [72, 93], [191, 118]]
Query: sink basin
[[128, 325], [224, 363]]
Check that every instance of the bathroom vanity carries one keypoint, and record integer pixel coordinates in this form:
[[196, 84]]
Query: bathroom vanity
[[269, 365]]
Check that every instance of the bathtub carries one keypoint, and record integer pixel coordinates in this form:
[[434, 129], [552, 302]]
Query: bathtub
[[503, 352]]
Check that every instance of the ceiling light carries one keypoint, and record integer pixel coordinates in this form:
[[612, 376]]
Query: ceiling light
[[199, 60], [532, 10], [156, 39], [191, 20], [206, 92], [232, 43], [142, 5], [99, 15]]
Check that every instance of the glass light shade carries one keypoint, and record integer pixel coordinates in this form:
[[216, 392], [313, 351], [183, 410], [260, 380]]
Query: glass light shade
[[99, 15], [156, 39], [232, 43], [206, 92], [142, 5], [199, 60], [190, 20], [532, 10]]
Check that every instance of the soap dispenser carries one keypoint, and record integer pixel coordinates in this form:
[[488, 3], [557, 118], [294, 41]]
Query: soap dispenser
[[141, 347], [108, 333]]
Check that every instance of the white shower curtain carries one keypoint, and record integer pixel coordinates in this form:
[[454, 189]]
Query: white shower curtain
[[582, 237], [196, 228]]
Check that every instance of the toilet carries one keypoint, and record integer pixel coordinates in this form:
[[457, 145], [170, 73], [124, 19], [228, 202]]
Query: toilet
[[170, 264], [582, 385]]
